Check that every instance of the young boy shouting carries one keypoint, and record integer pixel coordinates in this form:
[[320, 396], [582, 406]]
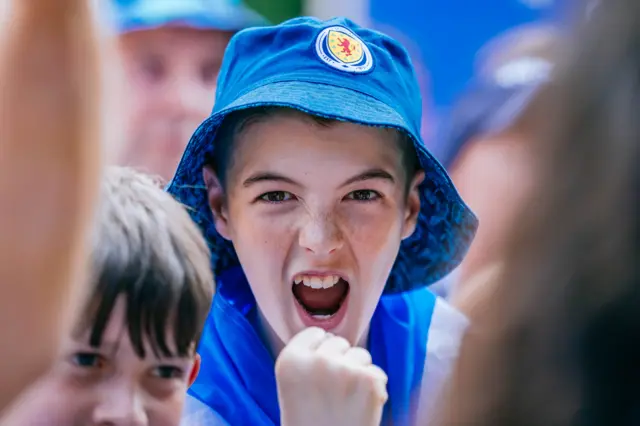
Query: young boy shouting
[[132, 353], [327, 219]]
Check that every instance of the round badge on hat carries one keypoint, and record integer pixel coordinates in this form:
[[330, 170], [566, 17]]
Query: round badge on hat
[[341, 49]]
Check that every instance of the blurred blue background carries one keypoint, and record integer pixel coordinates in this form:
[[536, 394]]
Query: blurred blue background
[[450, 32], [444, 34]]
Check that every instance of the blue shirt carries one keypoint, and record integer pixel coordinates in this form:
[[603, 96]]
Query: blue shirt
[[237, 384]]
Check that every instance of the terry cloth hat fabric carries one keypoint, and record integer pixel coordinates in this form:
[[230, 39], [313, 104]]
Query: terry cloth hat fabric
[[513, 68], [339, 70], [223, 15]]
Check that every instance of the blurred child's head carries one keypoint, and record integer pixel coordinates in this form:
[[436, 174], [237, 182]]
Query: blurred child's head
[[132, 353], [171, 53]]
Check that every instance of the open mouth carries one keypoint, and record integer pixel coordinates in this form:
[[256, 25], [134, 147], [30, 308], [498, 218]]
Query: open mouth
[[321, 297]]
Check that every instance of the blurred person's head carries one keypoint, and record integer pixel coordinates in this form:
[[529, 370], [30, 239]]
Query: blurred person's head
[[557, 344], [132, 353], [485, 143], [171, 51]]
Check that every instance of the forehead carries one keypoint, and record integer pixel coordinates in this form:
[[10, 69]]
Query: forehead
[[115, 327], [293, 139], [174, 37], [116, 337]]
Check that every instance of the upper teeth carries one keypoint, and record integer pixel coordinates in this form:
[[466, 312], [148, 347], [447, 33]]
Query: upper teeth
[[317, 282]]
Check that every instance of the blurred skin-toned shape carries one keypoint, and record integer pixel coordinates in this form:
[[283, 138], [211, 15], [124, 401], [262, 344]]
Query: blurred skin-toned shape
[[170, 74], [49, 167]]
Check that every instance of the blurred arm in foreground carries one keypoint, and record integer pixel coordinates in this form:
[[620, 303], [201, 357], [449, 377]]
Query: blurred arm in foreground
[[49, 166]]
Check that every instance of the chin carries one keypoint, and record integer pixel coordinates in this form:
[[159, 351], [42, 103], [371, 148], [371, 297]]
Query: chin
[[352, 333]]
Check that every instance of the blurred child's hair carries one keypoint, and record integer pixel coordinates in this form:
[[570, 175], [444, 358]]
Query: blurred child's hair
[[147, 249]]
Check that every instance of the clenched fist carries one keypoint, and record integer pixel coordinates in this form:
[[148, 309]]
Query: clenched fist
[[324, 381]]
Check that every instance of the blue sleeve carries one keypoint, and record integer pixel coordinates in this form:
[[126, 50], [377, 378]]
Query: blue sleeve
[[196, 413]]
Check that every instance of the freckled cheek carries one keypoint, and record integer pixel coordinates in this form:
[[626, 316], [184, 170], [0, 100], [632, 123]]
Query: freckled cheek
[[371, 229], [264, 235]]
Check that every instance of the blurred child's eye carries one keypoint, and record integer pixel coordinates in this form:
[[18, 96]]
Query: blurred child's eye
[[363, 195], [276, 197], [209, 72], [153, 68], [88, 360], [168, 372]]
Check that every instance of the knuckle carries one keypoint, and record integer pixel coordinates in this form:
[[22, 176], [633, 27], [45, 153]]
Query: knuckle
[[372, 376], [287, 362], [360, 355], [323, 362], [341, 341]]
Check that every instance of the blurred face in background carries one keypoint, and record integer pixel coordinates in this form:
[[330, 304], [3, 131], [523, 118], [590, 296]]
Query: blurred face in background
[[494, 176], [170, 76]]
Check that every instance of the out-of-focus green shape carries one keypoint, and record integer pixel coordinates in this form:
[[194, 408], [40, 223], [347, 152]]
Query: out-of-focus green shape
[[276, 11]]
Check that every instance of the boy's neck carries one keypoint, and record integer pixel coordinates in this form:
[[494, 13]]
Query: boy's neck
[[271, 340]]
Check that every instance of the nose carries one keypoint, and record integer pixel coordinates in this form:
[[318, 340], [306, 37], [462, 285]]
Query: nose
[[321, 235], [121, 406]]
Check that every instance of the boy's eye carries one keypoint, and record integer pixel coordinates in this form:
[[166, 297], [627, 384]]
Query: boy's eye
[[276, 197], [168, 372], [363, 195], [88, 360]]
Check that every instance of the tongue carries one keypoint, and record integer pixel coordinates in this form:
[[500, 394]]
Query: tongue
[[322, 299]]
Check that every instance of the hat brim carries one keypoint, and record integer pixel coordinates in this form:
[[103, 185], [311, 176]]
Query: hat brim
[[445, 228], [231, 19]]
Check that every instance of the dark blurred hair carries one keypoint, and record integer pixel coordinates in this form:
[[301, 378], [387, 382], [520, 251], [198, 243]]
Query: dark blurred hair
[[146, 249], [559, 343]]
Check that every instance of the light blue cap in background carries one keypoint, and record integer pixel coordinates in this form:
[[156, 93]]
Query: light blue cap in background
[[222, 15]]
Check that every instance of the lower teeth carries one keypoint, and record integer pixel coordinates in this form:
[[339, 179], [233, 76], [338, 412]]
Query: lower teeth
[[322, 317]]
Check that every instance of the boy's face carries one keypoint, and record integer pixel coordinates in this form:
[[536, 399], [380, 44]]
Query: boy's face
[[171, 77], [316, 215], [109, 385]]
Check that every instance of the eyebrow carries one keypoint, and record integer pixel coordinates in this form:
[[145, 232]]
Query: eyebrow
[[267, 177], [104, 346], [370, 174]]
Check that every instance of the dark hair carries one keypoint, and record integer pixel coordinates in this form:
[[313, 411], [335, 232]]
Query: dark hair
[[146, 248], [559, 344], [237, 121]]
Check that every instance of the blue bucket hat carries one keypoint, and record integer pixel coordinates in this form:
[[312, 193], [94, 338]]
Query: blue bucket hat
[[338, 70], [223, 15]]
